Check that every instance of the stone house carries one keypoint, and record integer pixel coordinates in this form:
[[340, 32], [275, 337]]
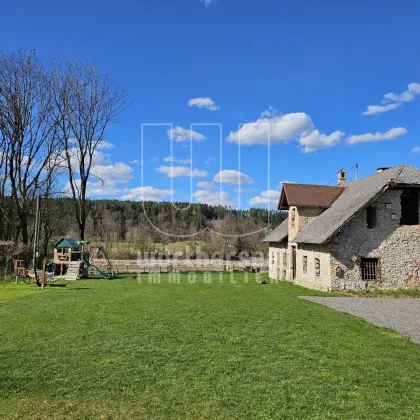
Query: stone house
[[361, 235]]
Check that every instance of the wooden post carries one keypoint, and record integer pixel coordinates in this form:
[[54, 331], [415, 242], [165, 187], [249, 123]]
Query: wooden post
[[36, 238], [44, 273]]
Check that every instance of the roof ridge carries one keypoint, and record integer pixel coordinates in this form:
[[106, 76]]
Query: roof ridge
[[315, 185], [377, 173]]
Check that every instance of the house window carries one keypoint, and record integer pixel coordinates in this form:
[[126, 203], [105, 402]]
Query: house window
[[284, 259], [278, 258], [409, 207], [371, 217], [272, 257], [317, 267], [305, 264], [370, 269], [284, 274], [293, 216]]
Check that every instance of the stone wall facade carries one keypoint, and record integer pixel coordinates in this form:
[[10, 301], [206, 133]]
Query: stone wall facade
[[337, 265], [278, 260], [313, 267], [299, 217], [396, 247]]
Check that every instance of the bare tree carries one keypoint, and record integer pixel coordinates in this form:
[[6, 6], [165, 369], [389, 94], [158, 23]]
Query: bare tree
[[3, 183], [28, 129], [86, 101]]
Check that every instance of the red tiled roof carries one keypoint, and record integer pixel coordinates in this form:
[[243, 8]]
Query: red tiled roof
[[308, 195]]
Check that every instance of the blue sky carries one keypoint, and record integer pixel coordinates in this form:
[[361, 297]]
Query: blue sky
[[308, 70]]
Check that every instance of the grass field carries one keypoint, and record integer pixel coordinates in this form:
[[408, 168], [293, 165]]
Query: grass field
[[220, 350]]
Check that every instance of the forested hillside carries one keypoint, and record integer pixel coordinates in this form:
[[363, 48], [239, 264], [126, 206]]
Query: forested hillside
[[126, 228]]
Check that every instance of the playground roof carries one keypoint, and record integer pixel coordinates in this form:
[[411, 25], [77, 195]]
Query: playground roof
[[67, 243]]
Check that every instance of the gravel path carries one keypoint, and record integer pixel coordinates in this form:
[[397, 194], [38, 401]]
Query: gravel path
[[402, 315]]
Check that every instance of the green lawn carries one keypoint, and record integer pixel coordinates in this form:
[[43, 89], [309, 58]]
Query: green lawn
[[124, 349]]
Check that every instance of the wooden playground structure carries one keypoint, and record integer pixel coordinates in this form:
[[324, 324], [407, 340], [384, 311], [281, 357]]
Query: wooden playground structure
[[73, 260], [76, 260]]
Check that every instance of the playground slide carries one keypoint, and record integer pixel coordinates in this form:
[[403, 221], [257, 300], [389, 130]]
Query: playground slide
[[99, 271]]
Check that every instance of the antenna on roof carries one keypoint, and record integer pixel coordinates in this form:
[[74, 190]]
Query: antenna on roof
[[356, 169]]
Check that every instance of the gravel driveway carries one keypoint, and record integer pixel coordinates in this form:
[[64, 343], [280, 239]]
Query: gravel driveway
[[402, 315]]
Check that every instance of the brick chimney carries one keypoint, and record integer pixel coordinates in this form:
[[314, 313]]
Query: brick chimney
[[341, 178]]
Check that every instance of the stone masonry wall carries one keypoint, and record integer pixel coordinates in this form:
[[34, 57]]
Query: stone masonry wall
[[397, 247], [277, 260], [317, 278], [302, 215]]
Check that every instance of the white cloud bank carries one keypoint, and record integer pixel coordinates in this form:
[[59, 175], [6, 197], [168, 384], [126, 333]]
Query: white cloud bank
[[266, 198], [272, 128], [378, 136], [206, 103], [378, 109], [206, 185], [104, 175], [180, 134], [315, 140], [393, 100], [177, 171], [229, 176], [113, 174], [146, 194], [220, 198]]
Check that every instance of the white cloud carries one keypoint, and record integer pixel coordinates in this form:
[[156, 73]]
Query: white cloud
[[413, 89], [135, 162], [220, 198], [104, 175], [280, 129], [113, 174], [183, 134], [315, 140], [207, 103], [396, 99], [210, 160], [146, 194], [104, 145], [416, 149], [177, 171], [208, 3], [270, 112], [229, 176], [174, 159], [94, 189], [369, 137], [377, 109], [284, 128], [266, 198], [206, 185]]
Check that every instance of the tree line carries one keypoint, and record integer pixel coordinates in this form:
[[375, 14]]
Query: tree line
[[127, 227]]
